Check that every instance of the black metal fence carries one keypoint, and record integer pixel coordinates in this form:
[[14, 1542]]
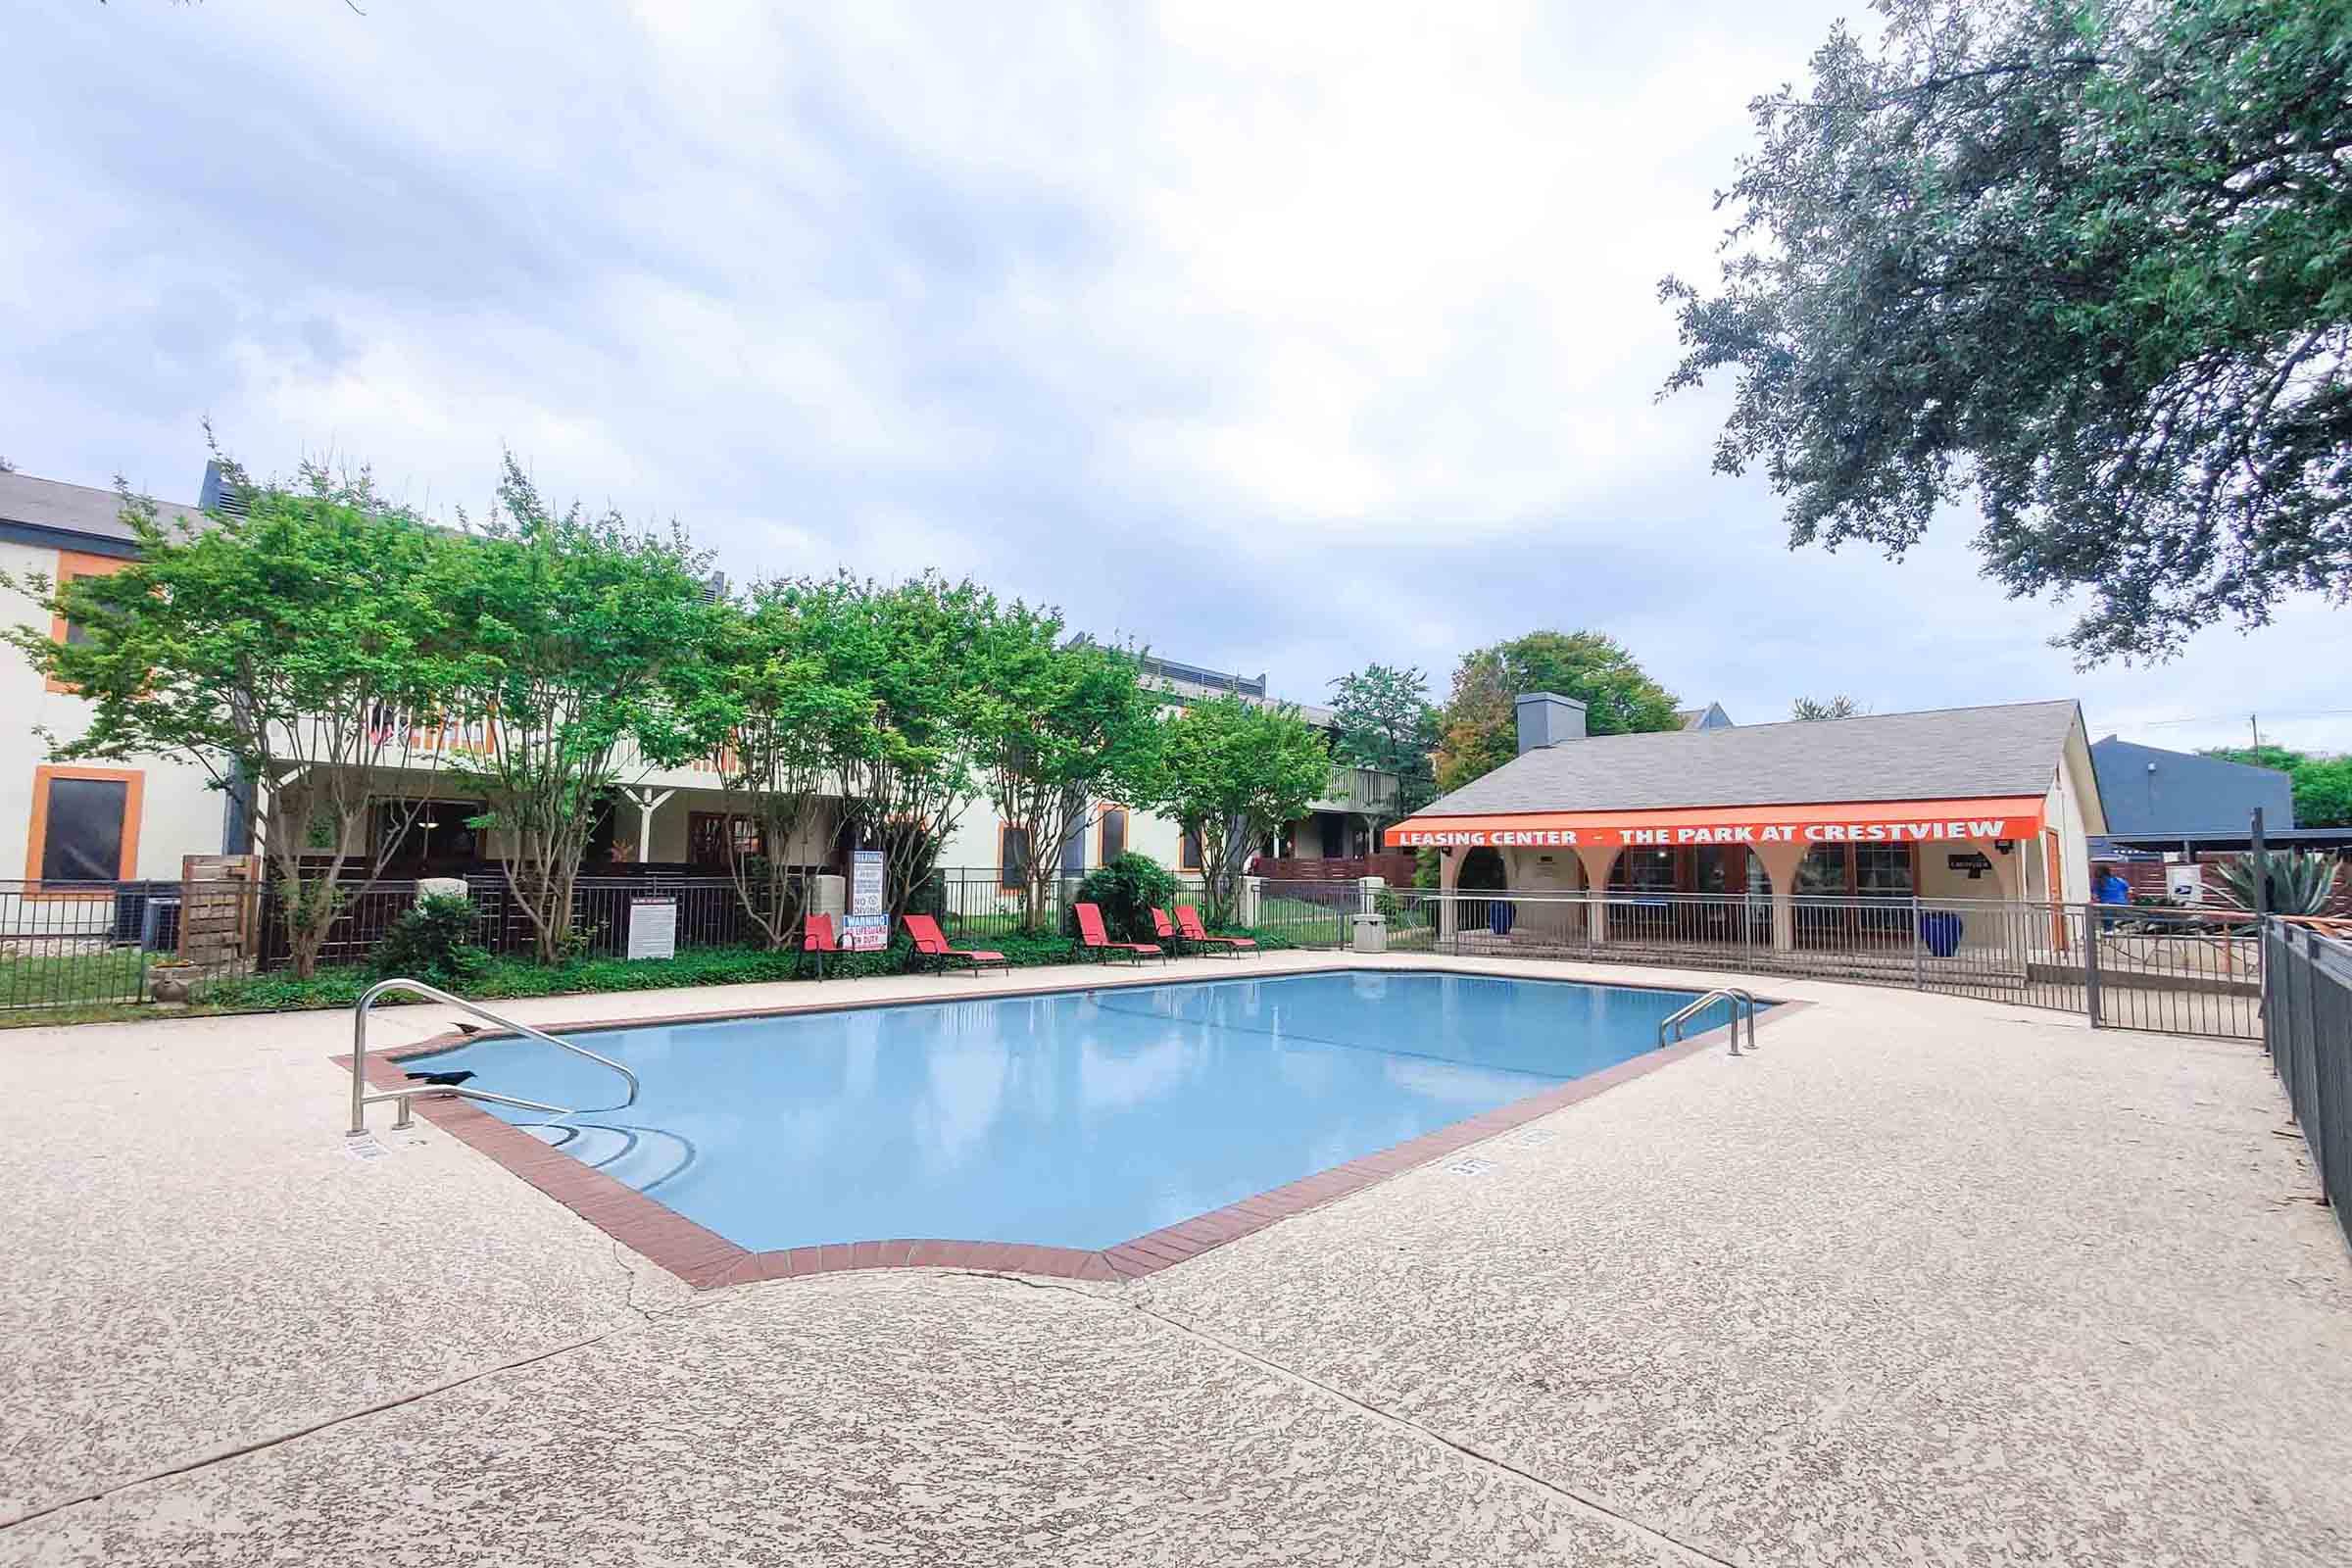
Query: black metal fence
[[975, 902], [2179, 971], [710, 913], [2307, 1005], [84, 945]]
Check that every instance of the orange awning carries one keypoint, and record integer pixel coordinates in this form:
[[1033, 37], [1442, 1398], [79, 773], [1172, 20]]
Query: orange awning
[[2009, 816]]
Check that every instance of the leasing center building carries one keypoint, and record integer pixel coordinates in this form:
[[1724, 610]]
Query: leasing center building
[[1962, 802]]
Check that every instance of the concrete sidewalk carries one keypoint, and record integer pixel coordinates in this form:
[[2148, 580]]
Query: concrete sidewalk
[[1927, 1280]]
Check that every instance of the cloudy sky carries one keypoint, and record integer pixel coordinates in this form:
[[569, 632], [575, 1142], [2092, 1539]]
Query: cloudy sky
[[1282, 336]]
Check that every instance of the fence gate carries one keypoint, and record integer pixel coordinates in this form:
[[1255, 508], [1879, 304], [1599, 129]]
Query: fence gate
[[219, 902]]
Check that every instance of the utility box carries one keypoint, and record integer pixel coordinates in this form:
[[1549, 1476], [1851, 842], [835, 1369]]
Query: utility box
[[1371, 933]]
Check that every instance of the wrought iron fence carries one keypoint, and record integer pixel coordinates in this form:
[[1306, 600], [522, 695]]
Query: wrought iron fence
[[2183, 971], [974, 902], [89, 944], [1308, 913], [2307, 1005], [710, 913]]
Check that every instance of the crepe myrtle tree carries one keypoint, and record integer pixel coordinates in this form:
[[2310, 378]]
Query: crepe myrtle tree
[[2085, 264], [1227, 772], [296, 651], [1059, 726], [568, 627], [908, 780], [779, 715]]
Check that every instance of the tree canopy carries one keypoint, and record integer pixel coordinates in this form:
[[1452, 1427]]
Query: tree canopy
[[2323, 784], [1385, 720], [569, 625], [1818, 708], [1479, 729], [2086, 261], [288, 649], [1062, 727], [1227, 772]]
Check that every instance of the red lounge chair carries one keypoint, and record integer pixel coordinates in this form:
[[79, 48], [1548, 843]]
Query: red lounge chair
[[1165, 929], [1093, 939], [930, 944], [817, 936], [1188, 920]]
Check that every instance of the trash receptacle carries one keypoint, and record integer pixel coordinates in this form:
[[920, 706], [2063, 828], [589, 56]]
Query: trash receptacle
[[1371, 933]]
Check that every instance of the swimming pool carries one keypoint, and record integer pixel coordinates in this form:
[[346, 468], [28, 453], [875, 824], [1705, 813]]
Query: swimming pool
[[1072, 1120]]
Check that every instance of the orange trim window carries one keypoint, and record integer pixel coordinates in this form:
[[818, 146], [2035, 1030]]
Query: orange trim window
[[1187, 853], [85, 826], [1012, 855], [73, 563], [1112, 830]]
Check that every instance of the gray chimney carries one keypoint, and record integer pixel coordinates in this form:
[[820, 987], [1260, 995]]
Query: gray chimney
[[1547, 718]]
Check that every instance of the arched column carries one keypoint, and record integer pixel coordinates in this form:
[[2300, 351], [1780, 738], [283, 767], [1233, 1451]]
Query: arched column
[[1597, 859], [1449, 876], [1779, 861]]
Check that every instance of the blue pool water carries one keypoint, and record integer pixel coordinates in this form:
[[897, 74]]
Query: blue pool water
[[1080, 1119]]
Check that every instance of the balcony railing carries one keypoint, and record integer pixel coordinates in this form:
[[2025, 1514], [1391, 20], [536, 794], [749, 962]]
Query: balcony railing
[[1368, 790]]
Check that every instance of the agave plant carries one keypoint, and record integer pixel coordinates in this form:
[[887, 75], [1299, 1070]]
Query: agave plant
[[2301, 882]]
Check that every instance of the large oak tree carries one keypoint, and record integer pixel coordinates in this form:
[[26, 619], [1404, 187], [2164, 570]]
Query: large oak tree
[[2086, 264]]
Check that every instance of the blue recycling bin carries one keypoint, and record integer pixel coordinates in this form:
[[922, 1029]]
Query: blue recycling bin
[[1940, 930], [1500, 915]]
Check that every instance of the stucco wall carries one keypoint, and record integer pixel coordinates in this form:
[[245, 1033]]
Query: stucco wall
[[178, 813]]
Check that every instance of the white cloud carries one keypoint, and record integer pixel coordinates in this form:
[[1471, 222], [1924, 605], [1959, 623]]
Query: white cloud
[[1283, 336]]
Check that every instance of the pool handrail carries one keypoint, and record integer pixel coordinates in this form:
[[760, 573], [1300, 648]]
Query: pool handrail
[[1744, 1005], [360, 1099]]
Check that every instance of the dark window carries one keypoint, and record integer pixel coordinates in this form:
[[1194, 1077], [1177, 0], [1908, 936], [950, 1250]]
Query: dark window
[[1719, 870], [1883, 870], [1642, 871], [1074, 850], [1114, 833], [82, 841], [1822, 873], [1333, 828], [1187, 853], [417, 838], [1012, 855], [709, 835]]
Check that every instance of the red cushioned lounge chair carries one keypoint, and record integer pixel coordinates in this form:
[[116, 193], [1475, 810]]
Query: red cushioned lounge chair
[[1188, 920], [1092, 938], [930, 944], [817, 936], [1165, 929]]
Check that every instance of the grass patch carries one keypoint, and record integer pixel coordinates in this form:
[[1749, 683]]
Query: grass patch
[[41, 981]]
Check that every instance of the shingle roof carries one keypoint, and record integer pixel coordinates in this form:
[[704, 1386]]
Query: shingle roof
[[78, 509], [1947, 754]]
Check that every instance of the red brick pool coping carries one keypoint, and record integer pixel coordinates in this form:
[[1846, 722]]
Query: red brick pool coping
[[708, 1261]]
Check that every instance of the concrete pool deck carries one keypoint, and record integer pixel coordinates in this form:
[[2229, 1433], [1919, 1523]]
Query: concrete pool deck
[[1928, 1280]]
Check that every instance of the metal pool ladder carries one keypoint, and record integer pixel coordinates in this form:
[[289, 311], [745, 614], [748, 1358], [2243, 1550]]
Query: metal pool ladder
[[360, 1099], [1744, 1005]]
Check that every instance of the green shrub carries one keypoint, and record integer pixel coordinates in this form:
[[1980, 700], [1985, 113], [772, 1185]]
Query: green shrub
[[433, 940], [1128, 889]]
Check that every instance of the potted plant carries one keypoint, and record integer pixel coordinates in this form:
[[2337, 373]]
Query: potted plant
[[172, 979]]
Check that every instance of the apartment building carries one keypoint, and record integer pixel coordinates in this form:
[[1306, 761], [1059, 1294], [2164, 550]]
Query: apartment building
[[136, 818]]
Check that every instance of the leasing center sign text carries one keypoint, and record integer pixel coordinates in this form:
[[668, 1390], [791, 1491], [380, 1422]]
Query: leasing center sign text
[[1407, 836]]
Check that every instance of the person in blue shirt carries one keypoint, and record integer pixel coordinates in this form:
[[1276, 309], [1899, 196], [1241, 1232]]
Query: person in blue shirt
[[2109, 887]]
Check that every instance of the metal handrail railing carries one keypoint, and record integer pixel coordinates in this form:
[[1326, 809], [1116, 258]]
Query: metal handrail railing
[[1744, 1005], [360, 1099]]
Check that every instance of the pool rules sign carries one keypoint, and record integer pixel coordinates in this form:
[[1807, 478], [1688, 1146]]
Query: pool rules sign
[[865, 928]]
